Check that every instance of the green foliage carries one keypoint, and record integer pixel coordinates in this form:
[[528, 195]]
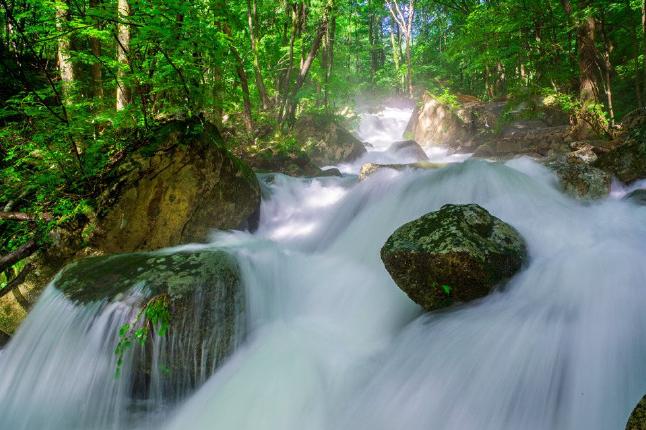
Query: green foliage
[[154, 317]]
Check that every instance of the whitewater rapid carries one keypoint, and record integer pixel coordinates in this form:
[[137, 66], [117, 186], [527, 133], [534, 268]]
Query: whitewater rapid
[[333, 344]]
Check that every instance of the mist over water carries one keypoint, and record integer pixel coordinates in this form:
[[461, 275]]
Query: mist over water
[[333, 344]]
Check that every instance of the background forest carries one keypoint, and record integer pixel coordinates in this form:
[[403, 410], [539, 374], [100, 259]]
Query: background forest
[[83, 82]]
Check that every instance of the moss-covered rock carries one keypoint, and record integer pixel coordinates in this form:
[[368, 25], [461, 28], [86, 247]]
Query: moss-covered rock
[[455, 255], [206, 310], [637, 420], [325, 141], [174, 191], [580, 180]]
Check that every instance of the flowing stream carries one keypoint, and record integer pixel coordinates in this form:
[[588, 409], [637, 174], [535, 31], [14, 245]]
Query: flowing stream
[[333, 344]]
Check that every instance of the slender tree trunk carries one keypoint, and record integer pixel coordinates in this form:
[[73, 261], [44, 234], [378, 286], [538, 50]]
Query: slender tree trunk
[[65, 66], [393, 42], [328, 59], [307, 63], [638, 91], [260, 84], [287, 77], [405, 25], [244, 83], [644, 46], [607, 70], [96, 72], [123, 47]]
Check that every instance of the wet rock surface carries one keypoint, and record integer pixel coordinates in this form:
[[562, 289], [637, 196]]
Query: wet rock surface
[[454, 255]]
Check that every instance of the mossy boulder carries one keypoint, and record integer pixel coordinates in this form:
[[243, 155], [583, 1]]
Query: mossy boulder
[[581, 180], [206, 303], [454, 255], [325, 141], [175, 190], [637, 420]]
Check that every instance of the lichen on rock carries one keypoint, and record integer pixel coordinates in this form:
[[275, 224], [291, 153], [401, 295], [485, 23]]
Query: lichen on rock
[[454, 255]]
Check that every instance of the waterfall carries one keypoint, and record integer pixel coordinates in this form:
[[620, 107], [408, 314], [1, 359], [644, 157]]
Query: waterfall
[[332, 343]]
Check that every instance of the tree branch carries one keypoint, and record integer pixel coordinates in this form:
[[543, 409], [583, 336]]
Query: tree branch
[[22, 216], [17, 280], [13, 257]]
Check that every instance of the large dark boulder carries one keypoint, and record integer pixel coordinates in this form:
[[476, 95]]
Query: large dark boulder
[[455, 255], [206, 304], [325, 141]]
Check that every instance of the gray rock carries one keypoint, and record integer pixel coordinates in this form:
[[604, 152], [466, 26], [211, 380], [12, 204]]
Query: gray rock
[[454, 255], [325, 141], [409, 149], [581, 181]]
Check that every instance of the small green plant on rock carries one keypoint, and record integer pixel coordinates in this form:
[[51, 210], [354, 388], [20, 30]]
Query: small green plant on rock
[[154, 316]]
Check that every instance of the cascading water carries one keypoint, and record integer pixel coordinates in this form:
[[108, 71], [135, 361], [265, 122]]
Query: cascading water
[[332, 343]]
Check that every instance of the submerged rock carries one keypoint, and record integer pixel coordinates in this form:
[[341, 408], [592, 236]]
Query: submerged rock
[[175, 191], [206, 311], [637, 197], [457, 254], [581, 180], [409, 149], [637, 420], [370, 168], [325, 141]]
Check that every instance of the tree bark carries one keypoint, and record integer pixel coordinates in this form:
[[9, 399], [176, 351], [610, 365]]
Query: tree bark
[[96, 72], [607, 70], [260, 84], [405, 25], [22, 216], [589, 91], [65, 66], [124, 96]]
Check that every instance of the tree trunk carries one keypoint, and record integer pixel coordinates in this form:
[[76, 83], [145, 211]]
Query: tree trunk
[[607, 70], [260, 84], [405, 25], [644, 44], [588, 91], [96, 72], [307, 62], [65, 66], [123, 47]]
